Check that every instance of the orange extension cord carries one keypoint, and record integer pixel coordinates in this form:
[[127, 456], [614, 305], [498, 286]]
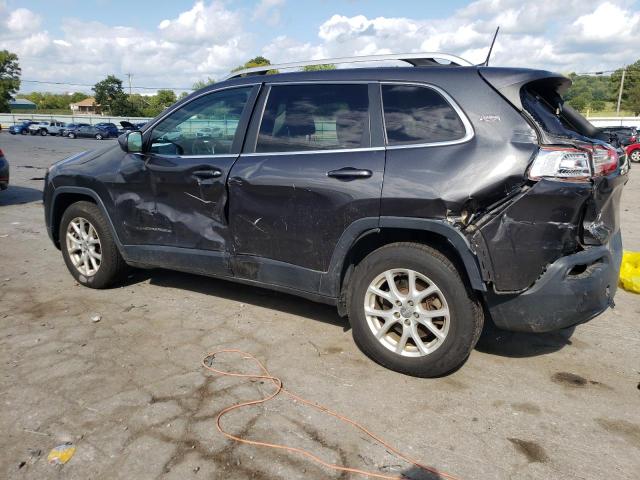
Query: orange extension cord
[[280, 389]]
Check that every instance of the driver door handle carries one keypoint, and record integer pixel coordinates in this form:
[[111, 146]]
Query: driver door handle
[[206, 173], [349, 173]]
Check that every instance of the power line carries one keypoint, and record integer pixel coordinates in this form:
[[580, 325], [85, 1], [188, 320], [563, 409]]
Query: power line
[[89, 85]]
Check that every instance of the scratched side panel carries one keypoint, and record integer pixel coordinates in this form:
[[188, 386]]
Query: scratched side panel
[[285, 208]]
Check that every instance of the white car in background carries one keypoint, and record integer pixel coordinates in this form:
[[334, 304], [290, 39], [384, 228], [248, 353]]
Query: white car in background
[[46, 128]]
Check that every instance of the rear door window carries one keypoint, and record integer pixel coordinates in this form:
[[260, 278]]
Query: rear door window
[[315, 117], [415, 114]]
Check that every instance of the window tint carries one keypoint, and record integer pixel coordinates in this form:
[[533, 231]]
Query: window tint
[[315, 117], [414, 114], [205, 126]]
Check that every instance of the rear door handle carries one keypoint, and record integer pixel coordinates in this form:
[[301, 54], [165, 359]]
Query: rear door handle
[[206, 173], [349, 173]]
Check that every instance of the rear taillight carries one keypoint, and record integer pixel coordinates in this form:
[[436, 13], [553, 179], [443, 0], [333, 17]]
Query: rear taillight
[[573, 164], [605, 160], [561, 164]]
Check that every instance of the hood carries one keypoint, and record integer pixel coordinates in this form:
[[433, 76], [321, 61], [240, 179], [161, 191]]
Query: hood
[[82, 157]]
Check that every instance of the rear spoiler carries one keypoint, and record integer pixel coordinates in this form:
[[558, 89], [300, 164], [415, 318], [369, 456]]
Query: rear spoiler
[[509, 81]]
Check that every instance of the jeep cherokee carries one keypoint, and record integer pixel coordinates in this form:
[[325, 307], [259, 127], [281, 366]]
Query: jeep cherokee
[[417, 200]]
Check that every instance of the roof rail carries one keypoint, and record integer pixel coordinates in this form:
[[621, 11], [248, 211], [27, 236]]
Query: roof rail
[[415, 59]]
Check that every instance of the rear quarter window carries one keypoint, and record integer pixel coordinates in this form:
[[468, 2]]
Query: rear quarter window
[[415, 114]]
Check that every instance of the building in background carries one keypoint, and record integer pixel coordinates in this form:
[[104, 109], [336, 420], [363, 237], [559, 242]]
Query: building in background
[[21, 104], [88, 106]]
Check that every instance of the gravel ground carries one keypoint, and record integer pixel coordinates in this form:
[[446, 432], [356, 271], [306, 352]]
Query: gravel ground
[[130, 393]]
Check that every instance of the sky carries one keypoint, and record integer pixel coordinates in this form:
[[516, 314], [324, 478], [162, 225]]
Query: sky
[[173, 44]]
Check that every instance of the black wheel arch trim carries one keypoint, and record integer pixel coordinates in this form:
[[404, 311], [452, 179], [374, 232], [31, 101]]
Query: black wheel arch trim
[[81, 191], [330, 282]]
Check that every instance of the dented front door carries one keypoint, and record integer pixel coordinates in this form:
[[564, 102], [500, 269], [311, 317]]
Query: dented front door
[[175, 192]]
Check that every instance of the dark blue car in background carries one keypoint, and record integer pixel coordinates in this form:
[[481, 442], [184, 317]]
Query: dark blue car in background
[[110, 128], [20, 128]]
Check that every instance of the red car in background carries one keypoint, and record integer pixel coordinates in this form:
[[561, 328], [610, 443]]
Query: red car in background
[[633, 152]]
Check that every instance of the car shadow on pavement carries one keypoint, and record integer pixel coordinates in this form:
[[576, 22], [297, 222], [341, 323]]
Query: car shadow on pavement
[[15, 195], [518, 344], [238, 292]]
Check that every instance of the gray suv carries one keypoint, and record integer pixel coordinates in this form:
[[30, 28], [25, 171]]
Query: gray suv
[[419, 201]]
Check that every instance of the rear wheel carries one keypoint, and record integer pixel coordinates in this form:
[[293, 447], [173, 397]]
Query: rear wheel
[[411, 312], [635, 155], [99, 136], [88, 247]]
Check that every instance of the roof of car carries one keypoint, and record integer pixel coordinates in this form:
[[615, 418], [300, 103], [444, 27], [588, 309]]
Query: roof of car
[[385, 73]]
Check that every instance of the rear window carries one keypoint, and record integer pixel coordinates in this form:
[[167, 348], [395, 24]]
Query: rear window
[[546, 108], [414, 114]]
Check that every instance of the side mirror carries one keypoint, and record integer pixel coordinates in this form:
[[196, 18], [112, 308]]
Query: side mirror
[[131, 142]]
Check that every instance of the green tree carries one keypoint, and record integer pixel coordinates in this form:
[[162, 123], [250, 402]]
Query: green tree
[[579, 102], [314, 68], [258, 61], [9, 78], [631, 90], [203, 83], [110, 95], [164, 99]]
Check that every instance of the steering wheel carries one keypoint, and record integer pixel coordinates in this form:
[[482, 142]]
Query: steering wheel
[[200, 147], [179, 148]]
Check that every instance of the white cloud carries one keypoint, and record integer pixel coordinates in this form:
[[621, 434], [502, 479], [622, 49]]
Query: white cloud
[[269, 11], [573, 35], [211, 37], [23, 20]]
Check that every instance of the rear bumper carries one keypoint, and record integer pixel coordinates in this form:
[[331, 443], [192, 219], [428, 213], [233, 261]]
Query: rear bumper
[[561, 297]]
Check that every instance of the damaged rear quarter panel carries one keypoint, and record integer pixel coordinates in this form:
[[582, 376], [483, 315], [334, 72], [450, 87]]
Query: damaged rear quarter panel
[[532, 230]]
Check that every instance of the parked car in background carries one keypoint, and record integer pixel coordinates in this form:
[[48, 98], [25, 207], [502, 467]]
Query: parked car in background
[[619, 136], [391, 193], [64, 132], [110, 128], [20, 128], [633, 152], [4, 171], [46, 128], [88, 131], [129, 127]]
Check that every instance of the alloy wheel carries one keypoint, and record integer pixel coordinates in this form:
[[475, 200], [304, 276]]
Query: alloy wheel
[[83, 246], [635, 156], [407, 312]]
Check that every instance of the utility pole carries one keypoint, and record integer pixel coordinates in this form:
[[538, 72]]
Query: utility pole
[[620, 92], [129, 75]]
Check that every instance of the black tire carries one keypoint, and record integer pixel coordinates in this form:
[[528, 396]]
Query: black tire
[[466, 316], [112, 266], [44, 132]]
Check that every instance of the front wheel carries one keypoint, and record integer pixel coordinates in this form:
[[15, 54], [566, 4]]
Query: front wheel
[[411, 312], [88, 246], [635, 155], [72, 135], [43, 133]]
